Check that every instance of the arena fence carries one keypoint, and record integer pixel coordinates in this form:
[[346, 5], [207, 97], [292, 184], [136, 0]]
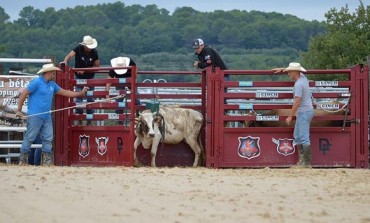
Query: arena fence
[[341, 144], [227, 107]]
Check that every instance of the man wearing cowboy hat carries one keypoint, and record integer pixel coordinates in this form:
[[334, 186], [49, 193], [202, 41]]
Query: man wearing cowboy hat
[[303, 110], [85, 56], [40, 92], [119, 73]]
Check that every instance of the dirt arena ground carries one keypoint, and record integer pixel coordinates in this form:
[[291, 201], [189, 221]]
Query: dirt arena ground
[[117, 194]]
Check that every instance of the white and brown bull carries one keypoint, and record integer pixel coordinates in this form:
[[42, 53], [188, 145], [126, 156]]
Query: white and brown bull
[[170, 125]]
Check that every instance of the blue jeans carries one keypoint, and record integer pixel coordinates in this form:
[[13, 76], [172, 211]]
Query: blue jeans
[[302, 127], [38, 126], [34, 156]]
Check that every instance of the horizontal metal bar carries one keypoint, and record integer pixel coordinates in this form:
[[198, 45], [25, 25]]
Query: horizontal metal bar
[[177, 96], [99, 68], [169, 84], [19, 60], [271, 72], [169, 72], [334, 117], [11, 141], [279, 84], [14, 146], [13, 129], [268, 130], [10, 155]]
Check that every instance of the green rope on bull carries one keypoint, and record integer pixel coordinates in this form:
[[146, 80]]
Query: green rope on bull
[[153, 106]]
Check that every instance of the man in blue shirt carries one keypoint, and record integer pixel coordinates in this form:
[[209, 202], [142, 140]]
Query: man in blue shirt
[[41, 92], [303, 110]]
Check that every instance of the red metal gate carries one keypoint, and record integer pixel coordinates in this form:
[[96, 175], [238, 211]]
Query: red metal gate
[[70, 138], [343, 146], [105, 143]]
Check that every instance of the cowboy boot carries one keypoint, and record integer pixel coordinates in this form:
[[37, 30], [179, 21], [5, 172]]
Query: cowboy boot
[[23, 159], [307, 155], [300, 155], [46, 159]]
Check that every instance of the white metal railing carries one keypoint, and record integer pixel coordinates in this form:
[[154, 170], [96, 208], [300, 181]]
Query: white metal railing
[[16, 144], [24, 60]]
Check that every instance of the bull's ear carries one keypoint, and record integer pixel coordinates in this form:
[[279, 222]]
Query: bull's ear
[[157, 118]]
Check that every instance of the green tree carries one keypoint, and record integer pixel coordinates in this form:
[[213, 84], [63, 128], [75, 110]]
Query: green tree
[[346, 41], [3, 16], [30, 17]]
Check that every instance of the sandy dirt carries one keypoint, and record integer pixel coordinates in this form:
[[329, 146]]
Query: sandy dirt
[[117, 194]]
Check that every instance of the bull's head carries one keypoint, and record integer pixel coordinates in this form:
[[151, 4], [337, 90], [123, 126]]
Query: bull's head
[[148, 122]]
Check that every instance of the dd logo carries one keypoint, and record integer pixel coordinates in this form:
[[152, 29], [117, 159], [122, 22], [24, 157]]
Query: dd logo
[[324, 145]]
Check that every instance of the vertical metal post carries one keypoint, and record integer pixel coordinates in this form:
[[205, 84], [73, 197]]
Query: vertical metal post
[[368, 65]]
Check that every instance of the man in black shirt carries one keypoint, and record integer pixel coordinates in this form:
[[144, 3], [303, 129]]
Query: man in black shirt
[[85, 56], [207, 56], [120, 73]]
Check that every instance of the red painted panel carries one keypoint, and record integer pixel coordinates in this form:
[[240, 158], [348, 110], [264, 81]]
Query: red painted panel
[[332, 149], [328, 150], [119, 147], [268, 155]]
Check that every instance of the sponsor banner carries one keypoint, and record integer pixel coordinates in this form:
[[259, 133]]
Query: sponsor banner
[[267, 95], [10, 88], [267, 118], [326, 83], [327, 106]]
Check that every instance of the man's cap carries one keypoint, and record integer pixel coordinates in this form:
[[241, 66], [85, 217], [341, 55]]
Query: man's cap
[[197, 43]]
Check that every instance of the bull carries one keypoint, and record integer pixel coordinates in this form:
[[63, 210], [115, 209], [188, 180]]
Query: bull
[[171, 125]]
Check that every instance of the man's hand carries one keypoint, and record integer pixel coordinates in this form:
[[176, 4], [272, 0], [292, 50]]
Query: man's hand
[[278, 70], [19, 114], [108, 98], [84, 90], [196, 64], [288, 120]]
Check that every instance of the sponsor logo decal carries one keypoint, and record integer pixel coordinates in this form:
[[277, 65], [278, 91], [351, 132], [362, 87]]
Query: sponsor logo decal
[[102, 144], [84, 148], [249, 147], [284, 147]]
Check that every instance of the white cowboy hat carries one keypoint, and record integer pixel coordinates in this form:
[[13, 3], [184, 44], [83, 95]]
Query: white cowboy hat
[[89, 42], [120, 62], [48, 67], [295, 67]]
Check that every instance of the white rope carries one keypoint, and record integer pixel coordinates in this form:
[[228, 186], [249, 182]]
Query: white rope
[[330, 111], [76, 106]]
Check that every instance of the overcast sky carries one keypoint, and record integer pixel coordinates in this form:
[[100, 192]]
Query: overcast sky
[[306, 9]]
